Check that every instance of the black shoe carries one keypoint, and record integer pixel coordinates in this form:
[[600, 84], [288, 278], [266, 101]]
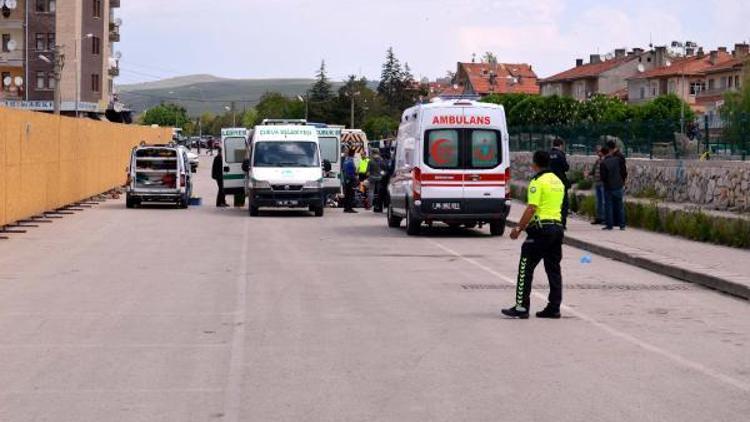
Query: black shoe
[[515, 313], [622, 228], [597, 222], [606, 228], [549, 313]]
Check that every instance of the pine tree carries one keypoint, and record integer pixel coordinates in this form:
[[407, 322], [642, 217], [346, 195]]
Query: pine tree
[[321, 90], [391, 79]]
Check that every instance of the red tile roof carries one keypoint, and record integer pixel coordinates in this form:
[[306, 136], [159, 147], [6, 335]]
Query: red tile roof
[[510, 78], [687, 66], [736, 62], [591, 70]]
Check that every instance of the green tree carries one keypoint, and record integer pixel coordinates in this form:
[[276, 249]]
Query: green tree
[[489, 57], [249, 117], [166, 115], [380, 127], [736, 113], [274, 105], [321, 90], [391, 81]]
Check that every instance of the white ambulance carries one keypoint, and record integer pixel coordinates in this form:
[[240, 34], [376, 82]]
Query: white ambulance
[[330, 152], [234, 144], [284, 169], [452, 165]]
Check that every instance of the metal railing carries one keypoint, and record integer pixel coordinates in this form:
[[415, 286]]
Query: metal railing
[[652, 139]]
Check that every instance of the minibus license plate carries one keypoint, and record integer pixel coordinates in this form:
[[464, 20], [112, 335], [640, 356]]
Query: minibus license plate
[[287, 203]]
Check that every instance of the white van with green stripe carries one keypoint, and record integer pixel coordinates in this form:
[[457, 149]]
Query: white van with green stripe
[[235, 143]]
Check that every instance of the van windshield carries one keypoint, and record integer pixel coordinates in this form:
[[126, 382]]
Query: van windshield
[[286, 154], [474, 149], [329, 149]]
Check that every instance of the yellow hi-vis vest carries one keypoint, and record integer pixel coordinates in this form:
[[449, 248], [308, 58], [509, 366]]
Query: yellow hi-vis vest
[[363, 165]]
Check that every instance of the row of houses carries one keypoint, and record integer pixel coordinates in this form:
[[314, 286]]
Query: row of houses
[[636, 76]]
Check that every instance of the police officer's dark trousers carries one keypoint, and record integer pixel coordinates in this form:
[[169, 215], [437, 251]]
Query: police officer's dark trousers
[[221, 198], [542, 243]]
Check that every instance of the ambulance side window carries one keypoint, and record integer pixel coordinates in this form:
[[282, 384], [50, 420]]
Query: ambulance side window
[[485, 149], [442, 149]]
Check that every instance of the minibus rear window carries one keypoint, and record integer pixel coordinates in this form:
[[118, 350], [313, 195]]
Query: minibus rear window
[[234, 150], [442, 149], [485, 149]]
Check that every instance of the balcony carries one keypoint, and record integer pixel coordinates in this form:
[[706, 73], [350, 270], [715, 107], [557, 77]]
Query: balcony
[[114, 3], [114, 72]]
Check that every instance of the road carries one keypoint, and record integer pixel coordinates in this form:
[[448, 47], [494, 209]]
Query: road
[[208, 315]]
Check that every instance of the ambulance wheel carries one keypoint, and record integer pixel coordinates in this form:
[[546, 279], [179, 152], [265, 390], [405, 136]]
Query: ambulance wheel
[[254, 211], [393, 221], [319, 211], [497, 227], [129, 202], [413, 224]]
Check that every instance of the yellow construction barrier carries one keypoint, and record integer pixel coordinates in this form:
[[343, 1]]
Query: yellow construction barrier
[[47, 161]]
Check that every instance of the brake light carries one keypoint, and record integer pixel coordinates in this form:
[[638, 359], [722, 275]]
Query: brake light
[[507, 183], [416, 183], [183, 180]]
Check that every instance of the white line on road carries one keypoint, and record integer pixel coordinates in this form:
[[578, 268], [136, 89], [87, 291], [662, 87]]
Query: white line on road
[[237, 351], [614, 332]]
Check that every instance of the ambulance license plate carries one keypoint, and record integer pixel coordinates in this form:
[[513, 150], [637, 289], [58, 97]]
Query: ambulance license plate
[[287, 203], [446, 206]]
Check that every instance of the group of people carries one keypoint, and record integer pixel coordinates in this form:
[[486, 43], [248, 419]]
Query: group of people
[[545, 219], [610, 173], [369, 176]]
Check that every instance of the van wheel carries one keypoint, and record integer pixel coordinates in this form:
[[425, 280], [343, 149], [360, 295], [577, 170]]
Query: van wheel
[[129, 202], [183, 202], [394, 222], [497, 227], [254, 211], [319, 211], [413, 224]]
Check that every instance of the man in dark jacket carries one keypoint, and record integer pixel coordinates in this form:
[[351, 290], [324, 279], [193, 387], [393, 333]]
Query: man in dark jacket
[[217, 173], [614, 149], [614, 185], [558, 165]]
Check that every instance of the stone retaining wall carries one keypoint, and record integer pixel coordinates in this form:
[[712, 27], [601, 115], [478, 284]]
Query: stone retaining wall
[[720, 185]]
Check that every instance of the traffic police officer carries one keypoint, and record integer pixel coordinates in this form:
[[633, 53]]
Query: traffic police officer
[[542, 221]]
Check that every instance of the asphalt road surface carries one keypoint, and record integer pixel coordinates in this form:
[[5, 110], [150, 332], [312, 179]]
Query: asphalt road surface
[[207, 314]]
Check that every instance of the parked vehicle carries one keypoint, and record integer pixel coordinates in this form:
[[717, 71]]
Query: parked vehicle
[[330, 152], [452, 165], [159, 173], [192, 159], [284, 168]]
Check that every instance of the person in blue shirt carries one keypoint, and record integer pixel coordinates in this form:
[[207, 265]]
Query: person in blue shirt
[[350, 181]]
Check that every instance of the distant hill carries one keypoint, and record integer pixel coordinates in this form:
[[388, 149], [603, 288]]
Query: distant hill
[[201, 93]]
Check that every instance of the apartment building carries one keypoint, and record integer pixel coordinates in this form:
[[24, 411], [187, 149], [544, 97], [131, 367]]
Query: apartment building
[[493, 78], [84, 32], [603, 75], [683, 76], [12, 50], [722, 78]]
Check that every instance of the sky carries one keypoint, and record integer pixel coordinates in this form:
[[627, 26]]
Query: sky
[[289, 38]]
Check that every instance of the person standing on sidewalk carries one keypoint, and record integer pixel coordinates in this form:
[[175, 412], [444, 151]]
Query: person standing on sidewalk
[[614, 149], [614, 184], [350, 181], [598, 186], [542, 222], [375, 174], [560, 167], [217, 173]]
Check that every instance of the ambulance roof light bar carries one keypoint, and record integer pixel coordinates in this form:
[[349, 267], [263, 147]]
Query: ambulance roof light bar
[[280, 122]]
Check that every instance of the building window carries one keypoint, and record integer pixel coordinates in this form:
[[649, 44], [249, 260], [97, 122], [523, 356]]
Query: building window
[[672, 87], [95, 83], [51, 41], [97, 8], [96, 46], [41, 80], [737, 82], [6, 41], [697, 87], [730, 82], [51, 80], [46, 6], [654, 89], [41, 42], [711, 84]]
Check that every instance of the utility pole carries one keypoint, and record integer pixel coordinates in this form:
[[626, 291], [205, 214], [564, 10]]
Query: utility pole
[[59, 64], [234, 116]]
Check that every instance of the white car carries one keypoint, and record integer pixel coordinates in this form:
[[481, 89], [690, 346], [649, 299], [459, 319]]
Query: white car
[[192, 158]]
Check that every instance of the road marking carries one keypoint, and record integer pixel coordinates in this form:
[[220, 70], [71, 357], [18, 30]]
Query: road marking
[[615, 332], [46, 346], [68, 391], [237, 352]]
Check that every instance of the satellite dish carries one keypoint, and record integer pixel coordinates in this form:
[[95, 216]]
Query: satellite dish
[[11, 4], [609, 56], [7, 81], [12, 44], [118, 22], [668, 63], [18, 81], [118, 55], [641, 68]]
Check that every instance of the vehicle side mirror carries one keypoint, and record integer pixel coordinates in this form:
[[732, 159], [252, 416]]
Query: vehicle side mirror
[[327, 167], [193, 170], [246, 166]]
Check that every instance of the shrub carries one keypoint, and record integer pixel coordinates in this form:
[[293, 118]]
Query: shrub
[[585, 184], [587, 206]]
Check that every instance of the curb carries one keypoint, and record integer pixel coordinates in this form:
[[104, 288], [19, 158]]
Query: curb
[[713, 282]]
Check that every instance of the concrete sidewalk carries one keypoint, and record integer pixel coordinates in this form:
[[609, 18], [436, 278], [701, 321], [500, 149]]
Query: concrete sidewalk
[[717, 267]]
